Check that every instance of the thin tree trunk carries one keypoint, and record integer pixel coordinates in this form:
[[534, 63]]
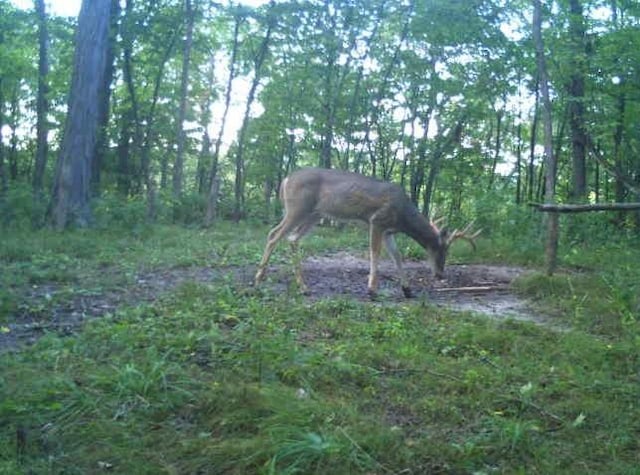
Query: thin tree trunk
[[130, 133], [576, 99], [434, 167], [205, 120], [178, 168], [71, 196], [496, 153], [532, 143], [105, 97], [239, 210], [214, 183], [13, 141], [42, 103], [145, 152], [551, 168], [519, 161], [3, 171]]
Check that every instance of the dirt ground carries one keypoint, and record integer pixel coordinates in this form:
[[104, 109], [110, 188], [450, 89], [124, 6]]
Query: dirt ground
[[483, 289]]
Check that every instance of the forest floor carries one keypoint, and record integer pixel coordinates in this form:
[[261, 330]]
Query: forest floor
[[151, 351], [62, 309]]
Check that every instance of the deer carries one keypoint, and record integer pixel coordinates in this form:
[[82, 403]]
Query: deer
[[311, 194]]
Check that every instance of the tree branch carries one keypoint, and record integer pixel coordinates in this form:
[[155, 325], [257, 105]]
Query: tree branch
[[569, 208]]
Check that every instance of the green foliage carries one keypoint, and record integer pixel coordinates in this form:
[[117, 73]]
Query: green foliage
[[19, 209], [113, 211]]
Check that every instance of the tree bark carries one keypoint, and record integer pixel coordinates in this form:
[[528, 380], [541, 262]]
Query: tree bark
[[71, 194], [213, 182], [261, 55], [105, 97], [13, 141], [573, 208], [448, 142], [205, 120], [147, 142], [519, 160], [496, 153], [42, 103], [130, 133], [576, 99], [178, 168], [3, 168], [531, 172], [551, 166]]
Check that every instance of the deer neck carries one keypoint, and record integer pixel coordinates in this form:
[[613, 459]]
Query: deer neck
[[417, 227]]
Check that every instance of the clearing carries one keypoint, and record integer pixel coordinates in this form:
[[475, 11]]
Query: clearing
[[483, 289]]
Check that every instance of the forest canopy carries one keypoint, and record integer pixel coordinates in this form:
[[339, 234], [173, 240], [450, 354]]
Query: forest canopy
[[199, 109]]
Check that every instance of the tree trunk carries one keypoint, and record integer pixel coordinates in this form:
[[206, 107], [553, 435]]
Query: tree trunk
[[178, 167], [130, 133], [496, 153], [452, 138], [519, 161], [105, 96], [145, 152], [3, 168], [42, 103], [205, 121], [213, 182], [531, 173], [551, 166], [13, 141], [576, 99], [71, 195], [238, 211]]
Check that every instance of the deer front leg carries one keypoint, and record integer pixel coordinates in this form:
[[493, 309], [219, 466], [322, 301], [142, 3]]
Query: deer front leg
[[375, 245], [392, 249]]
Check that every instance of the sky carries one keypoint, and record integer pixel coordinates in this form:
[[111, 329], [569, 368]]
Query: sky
[[55, 7], [72, 7]]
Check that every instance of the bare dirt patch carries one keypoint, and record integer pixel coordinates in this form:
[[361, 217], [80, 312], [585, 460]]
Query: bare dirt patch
[[484, 289], [478, 288]]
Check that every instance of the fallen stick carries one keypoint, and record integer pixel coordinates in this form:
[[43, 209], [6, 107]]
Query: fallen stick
[[482, 288]]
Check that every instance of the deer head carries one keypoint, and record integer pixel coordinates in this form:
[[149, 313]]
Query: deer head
[[447, 238]]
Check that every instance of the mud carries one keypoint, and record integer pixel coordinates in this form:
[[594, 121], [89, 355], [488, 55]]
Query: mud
[[482, 289]]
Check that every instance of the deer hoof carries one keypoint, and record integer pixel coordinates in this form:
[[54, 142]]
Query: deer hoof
[[407, 292]]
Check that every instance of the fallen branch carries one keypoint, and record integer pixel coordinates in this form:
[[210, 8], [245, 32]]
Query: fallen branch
[[479, 288], [557, 208]]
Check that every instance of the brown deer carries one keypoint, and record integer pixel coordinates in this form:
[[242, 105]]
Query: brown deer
[[310, 194]]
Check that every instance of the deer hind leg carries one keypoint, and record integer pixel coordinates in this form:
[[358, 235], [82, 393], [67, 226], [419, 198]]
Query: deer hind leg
[[375, 246], [294, 237], [294, 225], [392, 249], [273, 238]]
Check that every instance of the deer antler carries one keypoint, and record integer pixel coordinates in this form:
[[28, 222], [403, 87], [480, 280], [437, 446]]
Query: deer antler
[[464, 234], [436, 222]]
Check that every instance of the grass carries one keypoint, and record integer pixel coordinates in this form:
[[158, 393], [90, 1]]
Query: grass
[[216, 378]]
